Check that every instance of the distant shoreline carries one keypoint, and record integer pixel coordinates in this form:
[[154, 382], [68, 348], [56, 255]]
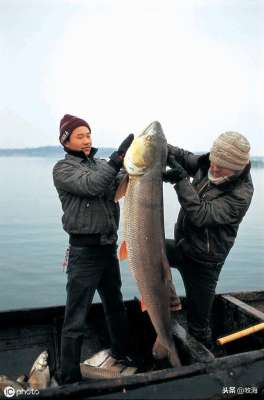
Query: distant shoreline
[[57, 151], [47, 151]]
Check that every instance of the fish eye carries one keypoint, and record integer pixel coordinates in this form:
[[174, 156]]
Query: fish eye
[[148, 138]]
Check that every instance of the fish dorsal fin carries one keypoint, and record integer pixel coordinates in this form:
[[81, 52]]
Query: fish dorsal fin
[[122, 188], [122, 252]]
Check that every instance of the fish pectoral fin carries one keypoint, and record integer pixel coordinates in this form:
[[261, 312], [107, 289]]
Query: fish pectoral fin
[[122, 252], [143, 305], [122, 188]]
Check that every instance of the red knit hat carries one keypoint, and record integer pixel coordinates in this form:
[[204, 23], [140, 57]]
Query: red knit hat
[[67, 124]]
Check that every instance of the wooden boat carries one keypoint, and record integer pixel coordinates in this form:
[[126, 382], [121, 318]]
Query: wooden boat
[[235, 368]]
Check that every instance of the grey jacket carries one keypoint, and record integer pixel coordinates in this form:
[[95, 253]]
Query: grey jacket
[[210, 214], [86, 188]]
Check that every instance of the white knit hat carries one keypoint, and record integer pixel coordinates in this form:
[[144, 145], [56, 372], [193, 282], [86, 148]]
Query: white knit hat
[[230, 150]]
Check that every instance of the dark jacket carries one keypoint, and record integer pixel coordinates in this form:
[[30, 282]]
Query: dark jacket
[[86, 188], [210, 214]]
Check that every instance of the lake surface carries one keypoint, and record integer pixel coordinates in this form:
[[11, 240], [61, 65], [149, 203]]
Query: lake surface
[[32, 242]]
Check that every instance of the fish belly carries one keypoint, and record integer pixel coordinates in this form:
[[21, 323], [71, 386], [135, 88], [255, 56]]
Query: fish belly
[[146, 242]]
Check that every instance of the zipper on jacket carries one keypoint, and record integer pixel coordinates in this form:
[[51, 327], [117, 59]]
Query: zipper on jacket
[[204, 189], [208, 242]]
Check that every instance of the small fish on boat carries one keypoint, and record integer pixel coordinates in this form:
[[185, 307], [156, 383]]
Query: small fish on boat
[[39, 376], [6, 384], [103, 365]]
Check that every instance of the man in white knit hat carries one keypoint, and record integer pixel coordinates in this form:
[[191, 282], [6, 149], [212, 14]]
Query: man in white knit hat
[[212, 207]]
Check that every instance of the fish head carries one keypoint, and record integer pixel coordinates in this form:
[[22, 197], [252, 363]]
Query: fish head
[[147, 149], [41, 362]]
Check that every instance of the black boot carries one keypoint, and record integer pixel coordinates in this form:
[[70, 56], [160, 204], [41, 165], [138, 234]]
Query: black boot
[[70, 360]]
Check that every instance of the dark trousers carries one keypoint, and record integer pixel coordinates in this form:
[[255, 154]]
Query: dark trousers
[[89, 269], [200, 280]]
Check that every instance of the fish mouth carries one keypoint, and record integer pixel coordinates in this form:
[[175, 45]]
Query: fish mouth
[[152, 129]]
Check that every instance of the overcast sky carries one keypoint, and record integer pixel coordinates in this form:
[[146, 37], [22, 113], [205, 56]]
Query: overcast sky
[[196, 66]]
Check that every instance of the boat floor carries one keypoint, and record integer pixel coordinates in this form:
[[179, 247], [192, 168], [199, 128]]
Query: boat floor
[[24, 334]]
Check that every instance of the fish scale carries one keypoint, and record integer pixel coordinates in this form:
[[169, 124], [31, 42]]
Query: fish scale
[[150, 276]]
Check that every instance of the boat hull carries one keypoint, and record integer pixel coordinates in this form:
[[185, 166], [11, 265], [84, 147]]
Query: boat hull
[[24, 334]]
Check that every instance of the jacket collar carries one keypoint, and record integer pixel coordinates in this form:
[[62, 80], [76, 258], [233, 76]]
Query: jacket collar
[[204, 163], [80, 154], [236, 179]]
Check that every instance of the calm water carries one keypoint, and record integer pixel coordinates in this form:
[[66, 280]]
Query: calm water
[[33, 243]]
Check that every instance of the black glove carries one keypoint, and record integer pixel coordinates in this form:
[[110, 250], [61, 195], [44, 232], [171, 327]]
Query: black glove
[[171, 161], [171, 155], [176, 174], [117, 157], [122, 149]]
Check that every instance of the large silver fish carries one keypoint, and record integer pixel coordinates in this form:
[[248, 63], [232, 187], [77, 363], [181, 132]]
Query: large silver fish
[[144, 243]]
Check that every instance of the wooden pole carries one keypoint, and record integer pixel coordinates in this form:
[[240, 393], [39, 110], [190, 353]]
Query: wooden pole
[[240, 334]]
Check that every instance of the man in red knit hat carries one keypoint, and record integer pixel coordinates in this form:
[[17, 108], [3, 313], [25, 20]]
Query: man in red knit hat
[[86, 186]]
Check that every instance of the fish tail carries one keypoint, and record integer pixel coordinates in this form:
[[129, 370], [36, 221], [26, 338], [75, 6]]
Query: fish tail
[[159, 351]]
